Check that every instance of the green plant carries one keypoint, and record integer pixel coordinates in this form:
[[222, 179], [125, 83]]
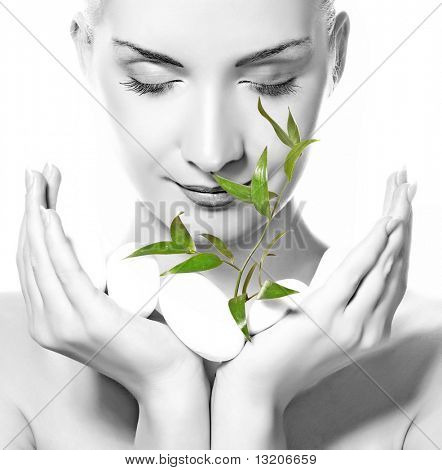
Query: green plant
[[258, 194]]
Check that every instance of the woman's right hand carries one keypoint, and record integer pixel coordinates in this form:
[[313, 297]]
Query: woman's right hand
[[69, 315], [338, 317]]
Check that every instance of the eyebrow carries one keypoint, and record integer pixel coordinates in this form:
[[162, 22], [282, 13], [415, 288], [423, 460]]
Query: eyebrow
[[249, 59], [151, 55], [263, 54]]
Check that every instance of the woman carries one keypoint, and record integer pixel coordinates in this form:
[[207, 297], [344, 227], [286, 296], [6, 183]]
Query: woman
[[182, 80]]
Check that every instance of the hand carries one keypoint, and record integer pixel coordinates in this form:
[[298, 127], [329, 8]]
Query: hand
[[349, 312], [69, 315]]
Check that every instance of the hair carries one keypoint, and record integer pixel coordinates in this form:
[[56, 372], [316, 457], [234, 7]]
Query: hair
[[328, 7], [94, 9]]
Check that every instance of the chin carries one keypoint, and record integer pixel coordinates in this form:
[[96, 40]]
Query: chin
[[235, 224]]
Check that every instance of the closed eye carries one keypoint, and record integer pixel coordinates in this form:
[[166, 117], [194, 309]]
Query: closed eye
[[276, 89], [143, 88]]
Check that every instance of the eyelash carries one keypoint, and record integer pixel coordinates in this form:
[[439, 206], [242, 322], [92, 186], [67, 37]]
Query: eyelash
[[277, 89], [144, 88]]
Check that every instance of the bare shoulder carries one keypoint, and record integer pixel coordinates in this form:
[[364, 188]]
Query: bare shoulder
[[358, 405], [29, 375], [421, 318], [17, 348], [17, 355], [425, 431], [418, 327], [417, 314], [23, 362]]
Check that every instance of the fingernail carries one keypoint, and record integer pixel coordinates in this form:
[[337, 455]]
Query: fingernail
[[412, 189], [45, 215], [392, 225], [29, 179], [47, 170], [401, 176]]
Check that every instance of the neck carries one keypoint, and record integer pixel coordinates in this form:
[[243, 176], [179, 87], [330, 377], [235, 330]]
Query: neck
[[297, 254]]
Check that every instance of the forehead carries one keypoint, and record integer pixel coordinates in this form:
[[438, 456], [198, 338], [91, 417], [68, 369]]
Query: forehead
[[191, 29]]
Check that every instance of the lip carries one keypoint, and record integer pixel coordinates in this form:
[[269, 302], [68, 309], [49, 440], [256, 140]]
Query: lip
[[210, 200], [205, 196], [203, 189]]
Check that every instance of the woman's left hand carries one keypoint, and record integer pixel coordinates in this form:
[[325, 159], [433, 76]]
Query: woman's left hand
[[314, 341]]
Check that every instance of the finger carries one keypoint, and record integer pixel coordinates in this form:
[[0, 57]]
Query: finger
[[20, 251], [53, 178], [389, 302], [75, 281], [400, 207], [364, 301], [344, 281], [407, 243], [361, 307], [36, 307], [402, 176], [333, 256], [21, 268], [408, 234], [396, 179], [391, 186], [398, 278], [330, 261], [401, 210], [45, 279], [404, 255]]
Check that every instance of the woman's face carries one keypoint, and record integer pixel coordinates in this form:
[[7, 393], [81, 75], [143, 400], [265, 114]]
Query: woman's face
[[184, 78]]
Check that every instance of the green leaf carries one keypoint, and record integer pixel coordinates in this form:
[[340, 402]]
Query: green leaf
[[197, 263], [220, 246], [283, 137], [272, 195], [293, 130], [160, 248], [237, 307], [240, 191], [294, 154], [259, 188], [249, 278], [180, 235], [272, 290]]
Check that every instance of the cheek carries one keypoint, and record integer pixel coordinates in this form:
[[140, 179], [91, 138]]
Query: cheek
[[304, 105], [143, 125], [308, 103]]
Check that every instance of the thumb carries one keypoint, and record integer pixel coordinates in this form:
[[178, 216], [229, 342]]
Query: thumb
[[330, 261]]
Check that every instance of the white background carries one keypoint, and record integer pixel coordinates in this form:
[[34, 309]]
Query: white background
[[394, 119]]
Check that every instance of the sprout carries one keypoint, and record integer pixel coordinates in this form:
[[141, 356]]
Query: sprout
[[256, 194]]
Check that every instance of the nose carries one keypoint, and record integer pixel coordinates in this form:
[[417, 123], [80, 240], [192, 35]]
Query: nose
[[212, 137]]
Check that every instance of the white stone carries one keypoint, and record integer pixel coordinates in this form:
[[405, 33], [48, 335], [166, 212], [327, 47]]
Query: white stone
[[133, 283], [197, 311], [263, 314]]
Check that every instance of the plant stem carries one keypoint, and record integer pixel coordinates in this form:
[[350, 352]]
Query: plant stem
[[252, 296], [241, 272], [278, 201], [231, 264], [261, 238], [260, 274]]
